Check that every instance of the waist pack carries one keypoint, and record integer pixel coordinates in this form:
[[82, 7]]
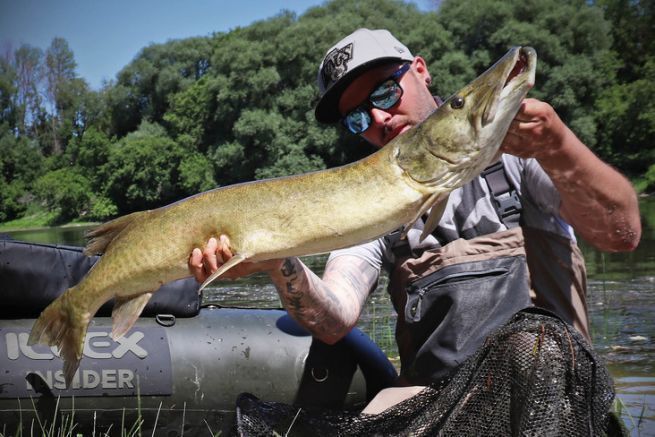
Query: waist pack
[[33, 275], [451, 298]]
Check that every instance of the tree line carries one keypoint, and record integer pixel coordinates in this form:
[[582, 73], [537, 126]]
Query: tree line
[[193, 114]]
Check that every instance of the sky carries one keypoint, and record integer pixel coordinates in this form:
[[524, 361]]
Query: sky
[[105, 35]]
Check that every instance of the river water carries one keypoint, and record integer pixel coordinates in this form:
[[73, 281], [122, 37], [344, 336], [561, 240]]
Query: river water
[[621, 299]]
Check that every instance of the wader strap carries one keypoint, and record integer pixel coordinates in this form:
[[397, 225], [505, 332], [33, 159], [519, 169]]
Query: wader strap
[[399, 246], [506, 199]]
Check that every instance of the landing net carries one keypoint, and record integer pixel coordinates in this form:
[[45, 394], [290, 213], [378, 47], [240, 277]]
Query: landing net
[[535, 376]]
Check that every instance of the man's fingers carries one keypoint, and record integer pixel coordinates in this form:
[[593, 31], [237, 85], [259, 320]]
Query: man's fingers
[[203, 263], [224, 248], [196, 266], [210, 260]]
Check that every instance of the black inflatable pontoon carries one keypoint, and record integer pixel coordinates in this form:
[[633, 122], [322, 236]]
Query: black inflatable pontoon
[[179, 369]]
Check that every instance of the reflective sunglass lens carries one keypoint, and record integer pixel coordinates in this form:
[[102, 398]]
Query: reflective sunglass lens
[[386, 95], [358, 121]]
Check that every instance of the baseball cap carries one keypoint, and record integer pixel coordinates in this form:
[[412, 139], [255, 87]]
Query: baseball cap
[[343, 62]]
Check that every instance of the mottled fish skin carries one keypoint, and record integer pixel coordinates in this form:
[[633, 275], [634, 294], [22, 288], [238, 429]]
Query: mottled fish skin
[[340, 207]]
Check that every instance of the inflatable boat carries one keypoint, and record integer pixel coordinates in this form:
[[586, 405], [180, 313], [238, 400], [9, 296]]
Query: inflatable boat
[[178, 371]]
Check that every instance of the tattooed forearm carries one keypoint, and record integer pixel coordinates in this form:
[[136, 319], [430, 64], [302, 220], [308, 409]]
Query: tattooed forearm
[[292, 293], [327, 307]]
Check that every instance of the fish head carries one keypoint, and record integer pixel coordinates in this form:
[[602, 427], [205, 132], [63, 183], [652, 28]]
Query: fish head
[[463, 136]]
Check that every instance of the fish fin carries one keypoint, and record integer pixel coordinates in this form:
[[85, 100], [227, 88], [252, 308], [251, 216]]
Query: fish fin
[[101, 236], [64, 325], [433, 199], [125, 312], [236, 259], [433, 219]]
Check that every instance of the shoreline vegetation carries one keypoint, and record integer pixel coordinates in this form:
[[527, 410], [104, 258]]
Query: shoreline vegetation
[[43, 220], [40, 221]]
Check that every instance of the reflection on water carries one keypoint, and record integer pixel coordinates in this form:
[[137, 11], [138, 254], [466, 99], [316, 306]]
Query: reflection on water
[[621, 302]]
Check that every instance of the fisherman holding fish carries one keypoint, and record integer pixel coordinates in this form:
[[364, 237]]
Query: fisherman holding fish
[[505, 240]]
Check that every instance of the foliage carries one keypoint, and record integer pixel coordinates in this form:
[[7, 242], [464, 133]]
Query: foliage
[[64, 191], [571, 39], [647, 183], [191, 114], [142, 170], [19, 163], [626, 109]]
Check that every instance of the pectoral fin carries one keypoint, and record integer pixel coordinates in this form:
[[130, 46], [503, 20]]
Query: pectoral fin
[[236, 259], [435, 198], [126, 311], [433, 219]]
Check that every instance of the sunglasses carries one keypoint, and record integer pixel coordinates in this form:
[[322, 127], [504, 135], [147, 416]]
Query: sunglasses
[[384, 96]]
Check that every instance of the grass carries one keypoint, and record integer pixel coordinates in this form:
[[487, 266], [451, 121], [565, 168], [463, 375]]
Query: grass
[[62, 424], [37, 220], [631, 423]]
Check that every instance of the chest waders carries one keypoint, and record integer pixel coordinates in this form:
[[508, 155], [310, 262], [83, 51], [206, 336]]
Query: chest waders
[[449, 299], [529, 373]]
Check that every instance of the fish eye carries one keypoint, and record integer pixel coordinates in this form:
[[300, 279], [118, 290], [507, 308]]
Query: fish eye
[[457, 102]]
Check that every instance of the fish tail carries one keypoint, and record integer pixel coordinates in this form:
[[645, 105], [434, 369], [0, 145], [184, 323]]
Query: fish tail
[[101, 236], [63, 325]]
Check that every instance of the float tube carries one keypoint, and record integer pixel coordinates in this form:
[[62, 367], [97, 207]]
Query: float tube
[[181, 367]]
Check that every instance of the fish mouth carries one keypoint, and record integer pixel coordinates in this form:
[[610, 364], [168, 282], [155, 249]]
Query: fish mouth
[[520, 66], [512, 76]]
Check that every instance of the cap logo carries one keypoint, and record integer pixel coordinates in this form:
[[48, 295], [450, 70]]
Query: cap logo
[[335, 64]]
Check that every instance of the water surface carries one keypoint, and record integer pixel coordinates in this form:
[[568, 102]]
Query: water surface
[[621, 300]]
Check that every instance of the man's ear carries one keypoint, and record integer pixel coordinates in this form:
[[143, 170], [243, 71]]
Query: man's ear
[[420, 67]]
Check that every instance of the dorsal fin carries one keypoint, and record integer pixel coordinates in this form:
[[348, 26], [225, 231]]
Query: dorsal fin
[[101, 236]]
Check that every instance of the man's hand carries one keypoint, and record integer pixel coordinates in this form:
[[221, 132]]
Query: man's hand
[[202, 263], [596, 200], [536, 131]]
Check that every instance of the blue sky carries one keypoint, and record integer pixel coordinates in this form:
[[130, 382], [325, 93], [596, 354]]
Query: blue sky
[[106, 35]]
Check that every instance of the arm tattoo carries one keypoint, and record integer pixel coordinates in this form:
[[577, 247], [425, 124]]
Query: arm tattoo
[[292, 292], [327, 307]]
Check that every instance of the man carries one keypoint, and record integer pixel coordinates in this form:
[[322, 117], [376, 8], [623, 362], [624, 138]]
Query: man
[[371, 83]]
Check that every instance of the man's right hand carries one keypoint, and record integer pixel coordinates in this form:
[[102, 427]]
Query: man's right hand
[[202, 263]]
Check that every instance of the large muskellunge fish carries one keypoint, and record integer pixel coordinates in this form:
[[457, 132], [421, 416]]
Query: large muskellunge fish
[[340, 207]]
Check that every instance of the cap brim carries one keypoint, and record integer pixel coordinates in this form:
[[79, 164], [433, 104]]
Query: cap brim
[[327, 108]]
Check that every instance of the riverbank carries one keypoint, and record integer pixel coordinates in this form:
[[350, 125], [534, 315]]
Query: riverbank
[[37, 221]]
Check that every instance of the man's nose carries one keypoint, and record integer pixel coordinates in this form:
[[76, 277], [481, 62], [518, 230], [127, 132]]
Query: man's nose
[[379, 116]]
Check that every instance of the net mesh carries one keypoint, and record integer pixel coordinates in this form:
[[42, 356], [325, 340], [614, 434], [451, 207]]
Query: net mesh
[[535, 377]]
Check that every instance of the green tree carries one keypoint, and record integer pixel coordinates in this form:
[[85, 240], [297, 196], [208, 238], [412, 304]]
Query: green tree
[[27, 61], [65, 192], [188, 114], [90, 153], [633, 34], [61, 88], [20, 164], [626, 114], [626, 109], [8, 113], [144, 86], [196, 174], [572, 40], [143, 170], [193, 113]]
